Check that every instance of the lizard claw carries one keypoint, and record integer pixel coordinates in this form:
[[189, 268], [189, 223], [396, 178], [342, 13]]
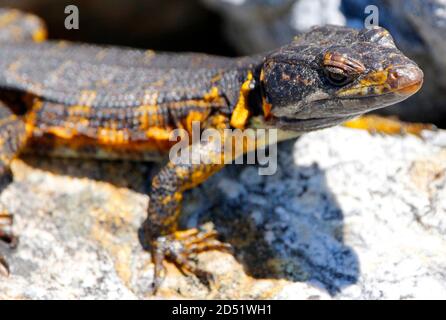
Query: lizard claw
[[4, 268], [180, 248], [8, 237]]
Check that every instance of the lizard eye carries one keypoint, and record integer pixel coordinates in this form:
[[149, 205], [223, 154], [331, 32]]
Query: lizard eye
[[341, 69], [337, 77]]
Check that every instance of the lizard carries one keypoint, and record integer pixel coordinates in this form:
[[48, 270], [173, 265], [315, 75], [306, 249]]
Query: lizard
[[71, 99]]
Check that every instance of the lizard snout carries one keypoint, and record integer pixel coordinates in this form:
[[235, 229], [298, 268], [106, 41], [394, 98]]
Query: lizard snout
[[405, 80]]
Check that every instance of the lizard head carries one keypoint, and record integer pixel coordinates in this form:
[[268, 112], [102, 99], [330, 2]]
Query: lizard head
[[331, 74]]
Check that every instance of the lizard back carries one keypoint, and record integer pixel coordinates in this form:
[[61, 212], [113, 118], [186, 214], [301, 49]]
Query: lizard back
[[111, 102]]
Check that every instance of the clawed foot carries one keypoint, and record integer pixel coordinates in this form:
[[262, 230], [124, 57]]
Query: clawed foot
[[180, 248], [7, 236]]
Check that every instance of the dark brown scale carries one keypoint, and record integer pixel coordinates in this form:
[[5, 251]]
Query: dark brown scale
[[40, 70]]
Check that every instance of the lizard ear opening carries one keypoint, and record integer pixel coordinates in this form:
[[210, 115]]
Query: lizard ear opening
[[378, 35]]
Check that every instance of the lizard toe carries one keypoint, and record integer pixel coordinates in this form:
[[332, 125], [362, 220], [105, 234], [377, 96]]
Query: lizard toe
[[6, 234], [8, 237], [4, 267], [181, 249]]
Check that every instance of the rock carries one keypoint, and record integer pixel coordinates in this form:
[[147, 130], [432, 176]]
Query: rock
[[348, 215]]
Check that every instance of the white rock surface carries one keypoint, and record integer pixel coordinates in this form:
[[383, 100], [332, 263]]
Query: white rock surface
[[391, 194], [355, 215], [347, 216]]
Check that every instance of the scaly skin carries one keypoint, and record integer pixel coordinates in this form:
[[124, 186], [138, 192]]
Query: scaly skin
[[70, 99]]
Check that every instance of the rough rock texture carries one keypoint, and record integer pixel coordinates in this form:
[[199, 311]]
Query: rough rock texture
[[418, 26], [347, 215]]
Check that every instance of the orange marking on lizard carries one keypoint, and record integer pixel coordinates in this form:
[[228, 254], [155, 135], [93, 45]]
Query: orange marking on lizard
[[158, 133], [79, 110], [149, 116], [212, 95], [241, 112], [266, 109], [199, 116], [112, 136], [40, 35]]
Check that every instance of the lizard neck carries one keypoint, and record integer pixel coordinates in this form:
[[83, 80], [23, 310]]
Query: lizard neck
[[249, 102], [255, 96]]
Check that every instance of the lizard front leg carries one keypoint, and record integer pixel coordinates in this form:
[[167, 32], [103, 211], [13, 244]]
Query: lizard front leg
[[18, 27], [12, 139], [161, 226], [8, 237]]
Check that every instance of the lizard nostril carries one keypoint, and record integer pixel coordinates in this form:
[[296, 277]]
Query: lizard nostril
[[393, 75], [405, 79]]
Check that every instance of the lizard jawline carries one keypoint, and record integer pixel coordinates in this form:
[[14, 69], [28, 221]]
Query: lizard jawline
[[303, 125]]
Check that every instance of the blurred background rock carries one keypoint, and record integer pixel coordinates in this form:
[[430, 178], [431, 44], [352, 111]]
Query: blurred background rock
[[232, 27]]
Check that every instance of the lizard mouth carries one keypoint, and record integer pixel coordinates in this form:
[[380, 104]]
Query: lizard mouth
[[377, 90], [333, 112], [309, 123], [346, 109]]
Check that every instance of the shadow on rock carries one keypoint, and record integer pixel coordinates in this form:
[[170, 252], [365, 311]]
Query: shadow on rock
[[124, 174], [284, 226]]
